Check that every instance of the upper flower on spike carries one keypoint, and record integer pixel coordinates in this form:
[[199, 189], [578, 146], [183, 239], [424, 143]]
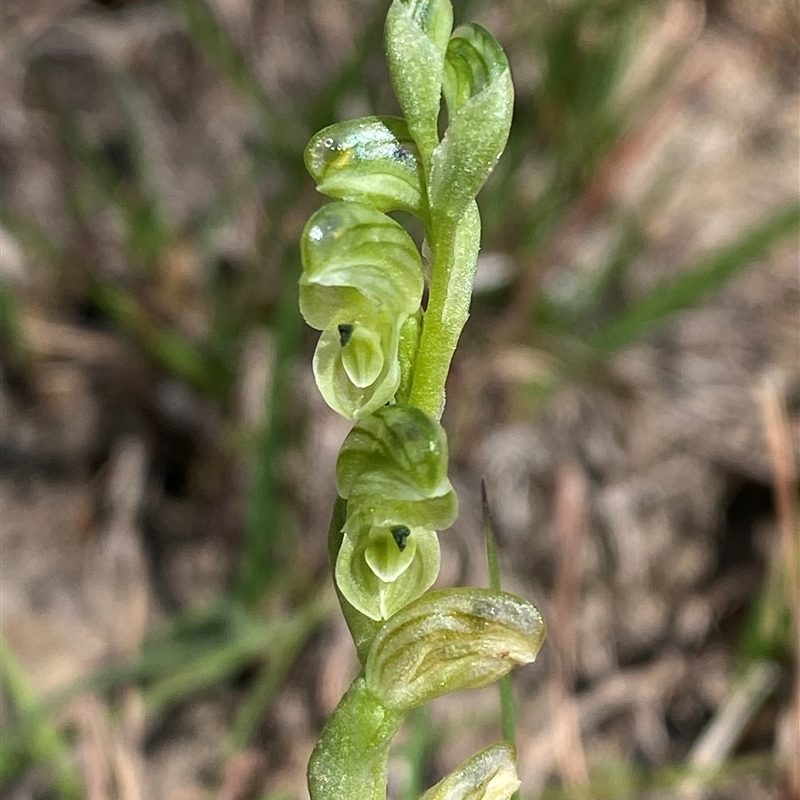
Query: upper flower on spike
[[372, 160], [362, 278]]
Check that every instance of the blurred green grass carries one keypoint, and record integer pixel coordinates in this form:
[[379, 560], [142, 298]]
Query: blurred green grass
[[571, 120]]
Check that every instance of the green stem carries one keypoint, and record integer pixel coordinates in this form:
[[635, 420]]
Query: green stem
[[351, 758], [455, 253]]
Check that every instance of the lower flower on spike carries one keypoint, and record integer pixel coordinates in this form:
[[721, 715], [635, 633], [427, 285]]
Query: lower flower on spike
[[384, 570], [489, 775]]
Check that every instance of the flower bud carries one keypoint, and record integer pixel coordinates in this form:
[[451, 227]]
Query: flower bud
[[417, 32], [480, 100], [490, 775]]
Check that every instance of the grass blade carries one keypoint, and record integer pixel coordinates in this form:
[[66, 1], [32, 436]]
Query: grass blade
[[285, 139], [13, 344], [692, 285], [262, 536], [284, 652], [504, 685], [174, 352], [35, 739], [417, 751]]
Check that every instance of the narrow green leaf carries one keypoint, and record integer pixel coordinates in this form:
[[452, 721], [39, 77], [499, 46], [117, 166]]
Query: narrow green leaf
[[35, 739], [417, 752], [284, 131], [504, 685], [273, 674], [171, 350], [417, 32], [13, 343], [450, 640], [211, 667], [692, 285], [265, 540], [491, 542], [32, 236], [372, 160]]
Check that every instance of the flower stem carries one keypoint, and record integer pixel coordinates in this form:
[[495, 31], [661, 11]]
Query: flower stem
[[351, 758], [455, 253]]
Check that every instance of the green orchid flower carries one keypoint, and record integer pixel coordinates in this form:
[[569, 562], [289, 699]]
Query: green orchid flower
[[362, 279], [392, 470], [382, 360]]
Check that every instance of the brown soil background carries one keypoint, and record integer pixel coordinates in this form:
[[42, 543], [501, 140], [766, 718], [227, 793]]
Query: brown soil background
[[638, 509]]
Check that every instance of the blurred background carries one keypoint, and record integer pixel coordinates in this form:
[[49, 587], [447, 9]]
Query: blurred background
[[628, 386]]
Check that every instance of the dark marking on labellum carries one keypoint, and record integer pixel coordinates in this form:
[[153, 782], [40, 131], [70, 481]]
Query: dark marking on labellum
[[345, 332], [401, 154], [400, 534]]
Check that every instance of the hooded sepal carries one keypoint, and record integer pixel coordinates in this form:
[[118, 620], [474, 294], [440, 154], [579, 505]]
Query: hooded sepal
[[371, 160], [362, 279]]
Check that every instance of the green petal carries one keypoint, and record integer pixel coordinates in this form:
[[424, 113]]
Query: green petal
[[334, 379], [489, 775], [362, 356], [400, 504], [357, 263], [449, 640], [480, 100], [377, 598], [400, 442], [385, 557], [417, 32], [372, 160]]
